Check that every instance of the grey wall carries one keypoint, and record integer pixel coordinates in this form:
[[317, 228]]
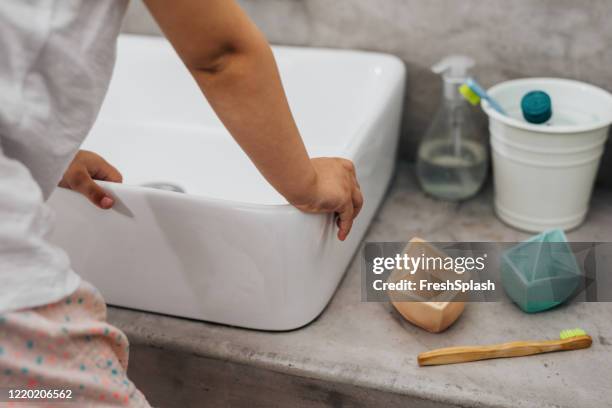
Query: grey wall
[[508, 39]]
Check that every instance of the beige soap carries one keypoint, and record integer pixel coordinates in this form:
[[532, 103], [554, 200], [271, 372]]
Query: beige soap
[[433, 311]]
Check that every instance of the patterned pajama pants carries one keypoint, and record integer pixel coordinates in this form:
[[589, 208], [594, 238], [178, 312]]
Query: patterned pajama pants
[[67, 345]]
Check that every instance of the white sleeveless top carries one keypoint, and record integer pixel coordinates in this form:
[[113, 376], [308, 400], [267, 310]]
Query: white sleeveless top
[[57, 59]]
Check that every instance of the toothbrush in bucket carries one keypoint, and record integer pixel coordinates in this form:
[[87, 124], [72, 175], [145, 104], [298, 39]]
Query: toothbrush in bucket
[[473, 93]]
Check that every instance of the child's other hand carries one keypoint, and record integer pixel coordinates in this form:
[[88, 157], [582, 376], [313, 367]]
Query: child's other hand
[[84, 169], [335, 190]]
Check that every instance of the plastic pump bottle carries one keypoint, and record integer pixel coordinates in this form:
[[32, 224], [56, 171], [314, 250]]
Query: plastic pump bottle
[[452, 157]]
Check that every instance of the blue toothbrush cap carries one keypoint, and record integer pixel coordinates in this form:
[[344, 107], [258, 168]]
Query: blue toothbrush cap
[[536, 107]]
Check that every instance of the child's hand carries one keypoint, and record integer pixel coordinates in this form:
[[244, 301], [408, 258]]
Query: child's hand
[[336, 190], [232, 62], [84, 169]]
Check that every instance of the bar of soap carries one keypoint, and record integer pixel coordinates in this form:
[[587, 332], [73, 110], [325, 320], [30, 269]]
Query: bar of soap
[[433, 311], [541, 273]]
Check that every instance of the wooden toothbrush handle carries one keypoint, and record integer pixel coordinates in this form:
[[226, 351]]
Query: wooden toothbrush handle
[[451, 355]]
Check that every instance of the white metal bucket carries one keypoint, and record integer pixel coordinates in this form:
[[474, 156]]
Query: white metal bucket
[[544, 174]]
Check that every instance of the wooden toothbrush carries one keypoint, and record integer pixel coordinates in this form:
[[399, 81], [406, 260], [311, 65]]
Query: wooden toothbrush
[[572, 339]]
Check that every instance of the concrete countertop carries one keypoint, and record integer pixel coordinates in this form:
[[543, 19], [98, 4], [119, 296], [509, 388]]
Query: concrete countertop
[[364, 354]]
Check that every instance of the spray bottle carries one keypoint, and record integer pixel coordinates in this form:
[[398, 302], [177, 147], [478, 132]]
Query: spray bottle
[[452, 157]]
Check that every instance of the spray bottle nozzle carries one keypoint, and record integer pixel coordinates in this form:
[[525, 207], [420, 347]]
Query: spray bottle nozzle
[[454, 66]]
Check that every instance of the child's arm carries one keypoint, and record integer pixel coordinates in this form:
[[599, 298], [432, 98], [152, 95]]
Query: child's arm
[[233, 64]]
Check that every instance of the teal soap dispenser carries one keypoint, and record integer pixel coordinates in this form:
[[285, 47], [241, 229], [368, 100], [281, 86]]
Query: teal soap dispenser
[[452, 158]]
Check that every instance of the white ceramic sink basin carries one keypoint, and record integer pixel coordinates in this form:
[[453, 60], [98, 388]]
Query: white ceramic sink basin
[[229, 249]]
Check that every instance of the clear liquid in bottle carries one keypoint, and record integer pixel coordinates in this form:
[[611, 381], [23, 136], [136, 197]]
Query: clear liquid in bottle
[[449, 171]]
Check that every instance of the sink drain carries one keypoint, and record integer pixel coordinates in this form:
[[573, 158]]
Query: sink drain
[[165, 186]]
